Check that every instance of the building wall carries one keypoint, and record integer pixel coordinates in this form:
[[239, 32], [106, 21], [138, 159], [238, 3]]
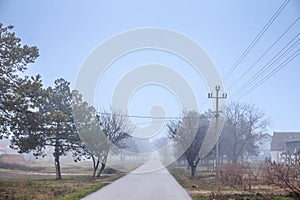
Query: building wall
[[292, 147], [275, 156]]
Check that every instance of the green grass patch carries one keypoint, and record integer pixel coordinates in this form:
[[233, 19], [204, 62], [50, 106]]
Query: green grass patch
[[80, 193]]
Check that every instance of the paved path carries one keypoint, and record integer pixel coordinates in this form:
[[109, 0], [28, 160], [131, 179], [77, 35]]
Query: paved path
[[142, 185]]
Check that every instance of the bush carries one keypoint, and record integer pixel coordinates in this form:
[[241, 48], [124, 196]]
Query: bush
[[287, 174], [233, 173], [110, 171]]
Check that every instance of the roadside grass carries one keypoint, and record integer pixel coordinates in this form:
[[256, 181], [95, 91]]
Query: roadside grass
[[80, 192], [238, 197], [19, 184], [205, 186], [40, 188]]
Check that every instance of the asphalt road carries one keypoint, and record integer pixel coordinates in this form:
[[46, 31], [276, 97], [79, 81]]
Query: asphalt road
[[142, 184]]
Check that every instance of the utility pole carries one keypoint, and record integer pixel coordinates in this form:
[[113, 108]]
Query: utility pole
[[217, 97]]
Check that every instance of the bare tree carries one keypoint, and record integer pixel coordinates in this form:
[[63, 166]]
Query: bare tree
[[116, 128], [245, 125], [188, 134], [99, 132]]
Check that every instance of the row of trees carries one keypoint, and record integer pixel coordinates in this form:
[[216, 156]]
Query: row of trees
[[35, 118], [241, 137]]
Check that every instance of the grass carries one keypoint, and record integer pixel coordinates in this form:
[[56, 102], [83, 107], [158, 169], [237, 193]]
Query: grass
[[20, 167], [18, 184], [74, 187], [205, 186], [78, 193], [257, 196]]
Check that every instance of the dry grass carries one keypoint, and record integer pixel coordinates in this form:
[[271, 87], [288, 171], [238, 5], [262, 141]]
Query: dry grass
[[206, 186], [40, 185]]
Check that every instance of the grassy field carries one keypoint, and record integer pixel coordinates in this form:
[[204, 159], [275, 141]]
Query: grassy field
[[205, 186], [38, 182]]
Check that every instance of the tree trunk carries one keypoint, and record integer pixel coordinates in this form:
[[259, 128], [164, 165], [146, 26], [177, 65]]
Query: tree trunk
[[95, 166], [57, 164], [234, 159], [193, 166], [101, 170], [193, 171]]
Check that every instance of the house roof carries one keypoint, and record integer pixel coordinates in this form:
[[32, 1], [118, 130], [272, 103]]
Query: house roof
[[280, 138]]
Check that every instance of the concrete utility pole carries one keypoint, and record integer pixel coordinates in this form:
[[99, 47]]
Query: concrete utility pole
[[217, 97]]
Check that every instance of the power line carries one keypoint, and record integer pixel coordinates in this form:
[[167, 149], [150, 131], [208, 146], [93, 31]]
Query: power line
[[272, 73], [267, 51], [256, 39], [150, 122], [258, 77], [141, 116], [268, 66], [147, 117]]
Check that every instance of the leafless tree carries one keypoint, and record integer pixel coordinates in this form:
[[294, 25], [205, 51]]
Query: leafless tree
[[116, 128], [245, 125], [99, 132], [188, 133]]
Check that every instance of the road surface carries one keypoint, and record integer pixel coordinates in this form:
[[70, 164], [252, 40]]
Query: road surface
[[143, 185]]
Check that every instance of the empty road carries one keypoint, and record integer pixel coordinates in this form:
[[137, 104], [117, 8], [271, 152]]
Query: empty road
[[143, 185]]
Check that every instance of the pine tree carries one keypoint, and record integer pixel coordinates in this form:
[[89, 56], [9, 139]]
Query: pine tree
[[14, 89]]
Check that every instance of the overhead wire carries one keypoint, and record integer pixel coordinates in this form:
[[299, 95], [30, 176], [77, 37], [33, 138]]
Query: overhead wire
[[256, 39], [262, 56], [255, 78], [272, 73], [141, 116], [150, 122], [237, 62]]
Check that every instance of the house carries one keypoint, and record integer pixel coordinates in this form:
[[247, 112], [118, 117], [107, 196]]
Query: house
[[284, 142]]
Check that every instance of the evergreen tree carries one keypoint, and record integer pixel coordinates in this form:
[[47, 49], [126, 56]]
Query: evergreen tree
[[17, 94], [53, 128]]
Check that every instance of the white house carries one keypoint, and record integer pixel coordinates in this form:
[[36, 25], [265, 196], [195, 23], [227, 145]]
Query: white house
[[283, 142]]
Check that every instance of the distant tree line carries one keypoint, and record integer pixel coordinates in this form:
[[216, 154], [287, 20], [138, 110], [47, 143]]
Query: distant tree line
[[244, 129]]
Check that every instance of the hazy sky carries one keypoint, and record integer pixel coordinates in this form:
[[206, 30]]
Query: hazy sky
[[67, 31]]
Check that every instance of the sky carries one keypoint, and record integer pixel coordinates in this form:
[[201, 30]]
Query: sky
[[66, 32]]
